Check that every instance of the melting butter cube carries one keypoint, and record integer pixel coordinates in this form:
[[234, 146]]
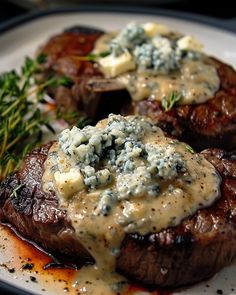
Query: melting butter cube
[[113, 66], [152, 29], [189, 43], [69, 183]]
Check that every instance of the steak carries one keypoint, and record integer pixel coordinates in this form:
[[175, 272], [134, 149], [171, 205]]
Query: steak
[[190, 252], [35, 214], [64, 52], [196, 249], [210, 124]]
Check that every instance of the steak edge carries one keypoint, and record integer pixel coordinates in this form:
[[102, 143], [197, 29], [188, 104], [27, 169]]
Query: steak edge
[[35, 214], [195, 250]]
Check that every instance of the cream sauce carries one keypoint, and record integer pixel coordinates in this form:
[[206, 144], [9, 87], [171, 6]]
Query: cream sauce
[[197, 79], [102, 43], [102, 235]]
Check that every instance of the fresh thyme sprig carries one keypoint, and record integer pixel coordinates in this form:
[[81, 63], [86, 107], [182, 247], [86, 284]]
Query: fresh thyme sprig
[[168, 102], [79, 122], [21, 119], [92, 57], [189, 148]]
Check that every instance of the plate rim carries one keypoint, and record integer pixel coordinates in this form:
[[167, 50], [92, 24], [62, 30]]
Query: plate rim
[[139, 9], [9, 289]]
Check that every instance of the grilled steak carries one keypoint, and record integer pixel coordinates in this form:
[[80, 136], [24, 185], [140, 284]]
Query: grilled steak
[[211, 124], [64, 53], [195, 250], [35, 214], [63, 58]]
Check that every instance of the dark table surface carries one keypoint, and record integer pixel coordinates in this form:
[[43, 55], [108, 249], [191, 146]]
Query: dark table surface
[[223, 10]]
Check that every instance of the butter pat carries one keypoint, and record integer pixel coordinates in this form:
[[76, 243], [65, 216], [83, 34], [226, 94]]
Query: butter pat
[[68, 183], [112, 66], [152, 29], [189, 43]]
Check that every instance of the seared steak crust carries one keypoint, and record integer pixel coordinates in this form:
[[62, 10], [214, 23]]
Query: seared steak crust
[[64, 52], [212, 124], [195, 250], [34, 213]]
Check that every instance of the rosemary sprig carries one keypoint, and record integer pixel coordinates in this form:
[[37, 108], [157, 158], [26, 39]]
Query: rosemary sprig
[[168, 102], [21, 119]]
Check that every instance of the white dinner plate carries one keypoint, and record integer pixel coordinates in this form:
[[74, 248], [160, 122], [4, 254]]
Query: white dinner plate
[[23, 40]]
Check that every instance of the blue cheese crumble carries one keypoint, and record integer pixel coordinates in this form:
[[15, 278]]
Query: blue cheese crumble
[[149, 49], [159, 56], [131, 36], [127, 174], [124, 176], [138, 166], [152, 63]]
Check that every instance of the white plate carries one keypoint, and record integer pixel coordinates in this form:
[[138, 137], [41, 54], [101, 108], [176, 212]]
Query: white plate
[[24, 40]]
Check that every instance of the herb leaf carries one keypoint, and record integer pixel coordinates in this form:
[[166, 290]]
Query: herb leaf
[[189, 148], [93, 57], [80, 122], [65, 81], [42, 58], [21, 118], [167, 103], [16, 191]]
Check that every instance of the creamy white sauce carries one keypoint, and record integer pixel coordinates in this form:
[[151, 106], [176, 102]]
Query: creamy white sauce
[[181, 194], [190, 74], [197, 81]]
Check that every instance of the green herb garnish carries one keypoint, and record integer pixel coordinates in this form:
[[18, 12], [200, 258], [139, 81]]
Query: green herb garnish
[[16, 191], [93, 57], [82, 122], [21, 118], [79, 122], [167, 103], [189, 148]]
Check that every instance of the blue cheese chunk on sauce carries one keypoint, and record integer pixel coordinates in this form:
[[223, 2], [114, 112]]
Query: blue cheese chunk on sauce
[[134, 180], [152, 62], [129, 159]]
